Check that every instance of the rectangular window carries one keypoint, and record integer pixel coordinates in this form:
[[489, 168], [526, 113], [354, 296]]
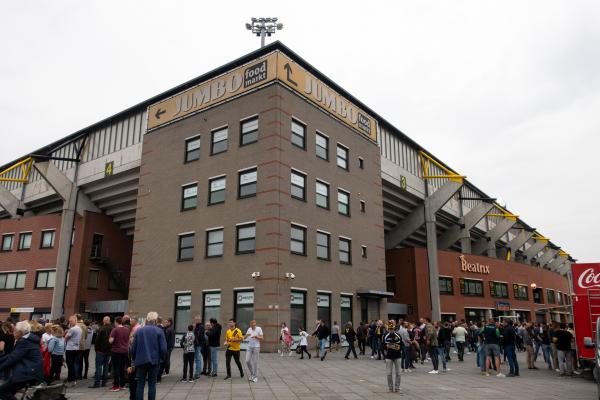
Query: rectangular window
[[323, 246], [363, 251], [298, 240], [537, 296], [390, 283], [298, 185], [362, 206], [550, 296], [189, 197], [47, 240], [322, 194], [345, 247], [297, 311], [361, 163], [218, 141], [244, 309], [469, 287], [214, 243], [192, 149], [247, 183], [343, 202], [12, 280], [211, 306], [298, 134], [245, 238], [183, 303], [96, 245], [25, 241], [7, 242], [322, 146], [216, 187], [446, 286], [186, 247], [346, 309], [45, 279], [249, 131], [93, 279], [342, 157], [323, 307], [520, 292], [498, 289]]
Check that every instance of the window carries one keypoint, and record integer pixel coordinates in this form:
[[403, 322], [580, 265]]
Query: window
[[550, 296], [469, 287], [345, 310], [323, 245], [247, 183], [559, 298], [7, 242], [298, 188], [390, 283], [499, 289], [363, 251], [520, 292], [211, 306], [297, 311], [45, 279], [25, 241], [189, 197], [93, 279], [12, 280], [322, 146], [343, 202], [244, 309], [113, 285], [446, 286], [342, 157], [249, 131], [322, 194], [218, 141], [361, 163], [298, 134], [537, 296], [216, 188], [183, 303], [214, 243], [192, 149], [246, 238], [323, 308], [96, 245], [186, 247], [47, 240], [298, 240], [345, 248]]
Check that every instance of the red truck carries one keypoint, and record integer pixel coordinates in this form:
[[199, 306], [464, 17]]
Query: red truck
[[586, 314]]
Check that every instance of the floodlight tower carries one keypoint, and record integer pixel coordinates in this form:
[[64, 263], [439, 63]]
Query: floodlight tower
[[264, 27]]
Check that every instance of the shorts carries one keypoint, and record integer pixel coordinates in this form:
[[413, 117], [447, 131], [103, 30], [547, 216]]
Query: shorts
[[335, 338], [492, 350]]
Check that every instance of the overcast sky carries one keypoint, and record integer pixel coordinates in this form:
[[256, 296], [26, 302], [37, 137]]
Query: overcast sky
[[506, 92]]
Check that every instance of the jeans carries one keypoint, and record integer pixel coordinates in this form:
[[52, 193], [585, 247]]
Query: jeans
[[214, 353], [188, 361], [441, 352], [361, 345], [481, 352], [390, 366], [433, 354], [119, 361], [236, 358], [513, 364], [406, 356], [565, 361], [547, 354], [377, 350], [198, 360], [71, 356], [252, 354], [141, 372], [322, 343], [460, 347], [101, 369]]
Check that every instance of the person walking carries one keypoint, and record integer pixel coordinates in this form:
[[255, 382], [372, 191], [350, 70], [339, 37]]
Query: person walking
[[254, 334], [443, 337], [335, 337], [350, 338], [148, 349], [72, 340], [322, 333], [405, 346], [119, 341], [361, 336], [562, 339], [214, 339], [392, 343], [87, 346], [56, 348], [189, 350], [103, 349], [233, 338], [286, 340], [460, 334], [199, 345], [303, 343], [543, 338], [509, 339]]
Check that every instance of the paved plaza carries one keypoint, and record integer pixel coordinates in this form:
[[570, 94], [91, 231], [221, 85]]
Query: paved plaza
[[289, 378]]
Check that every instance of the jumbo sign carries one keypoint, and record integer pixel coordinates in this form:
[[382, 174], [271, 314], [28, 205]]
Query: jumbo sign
[[259, 72]]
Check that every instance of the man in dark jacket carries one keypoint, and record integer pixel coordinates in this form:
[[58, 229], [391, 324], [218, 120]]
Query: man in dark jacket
[[199, 344], [322, 333], [165, 366], [148, 350], [103, 347], [24, 362], [350, 338], [214, 341], [509, 337]]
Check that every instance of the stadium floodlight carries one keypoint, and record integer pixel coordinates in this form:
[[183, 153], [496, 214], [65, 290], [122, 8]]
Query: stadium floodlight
[[264, 27]]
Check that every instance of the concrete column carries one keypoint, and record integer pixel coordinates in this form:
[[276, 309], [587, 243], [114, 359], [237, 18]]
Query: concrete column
[[518, 242], [556, 263], [432, 257], [535, 248], [9, 202], [488, 243], [463, 230], [546, 257]]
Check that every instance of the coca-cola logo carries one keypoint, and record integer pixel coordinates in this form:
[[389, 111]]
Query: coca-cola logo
[[588, 279]]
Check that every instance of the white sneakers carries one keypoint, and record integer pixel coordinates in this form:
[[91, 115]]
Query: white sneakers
[[253, 379], [500, 375], [434, 371]]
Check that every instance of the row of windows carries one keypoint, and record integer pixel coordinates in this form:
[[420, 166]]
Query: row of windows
[[219, 139], [46, 242], [46, 279], [246, 187], [246, 243]]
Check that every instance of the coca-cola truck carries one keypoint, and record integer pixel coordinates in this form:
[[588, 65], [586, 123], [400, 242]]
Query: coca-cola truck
[[586, 314]]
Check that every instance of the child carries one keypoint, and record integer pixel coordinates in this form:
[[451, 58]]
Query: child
[[187, 344], [303, 344], [56, 348]]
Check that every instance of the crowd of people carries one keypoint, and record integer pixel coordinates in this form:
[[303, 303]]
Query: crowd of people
[[131, 354]]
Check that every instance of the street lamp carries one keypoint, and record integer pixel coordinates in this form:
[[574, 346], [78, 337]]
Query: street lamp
[[264, 27]]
